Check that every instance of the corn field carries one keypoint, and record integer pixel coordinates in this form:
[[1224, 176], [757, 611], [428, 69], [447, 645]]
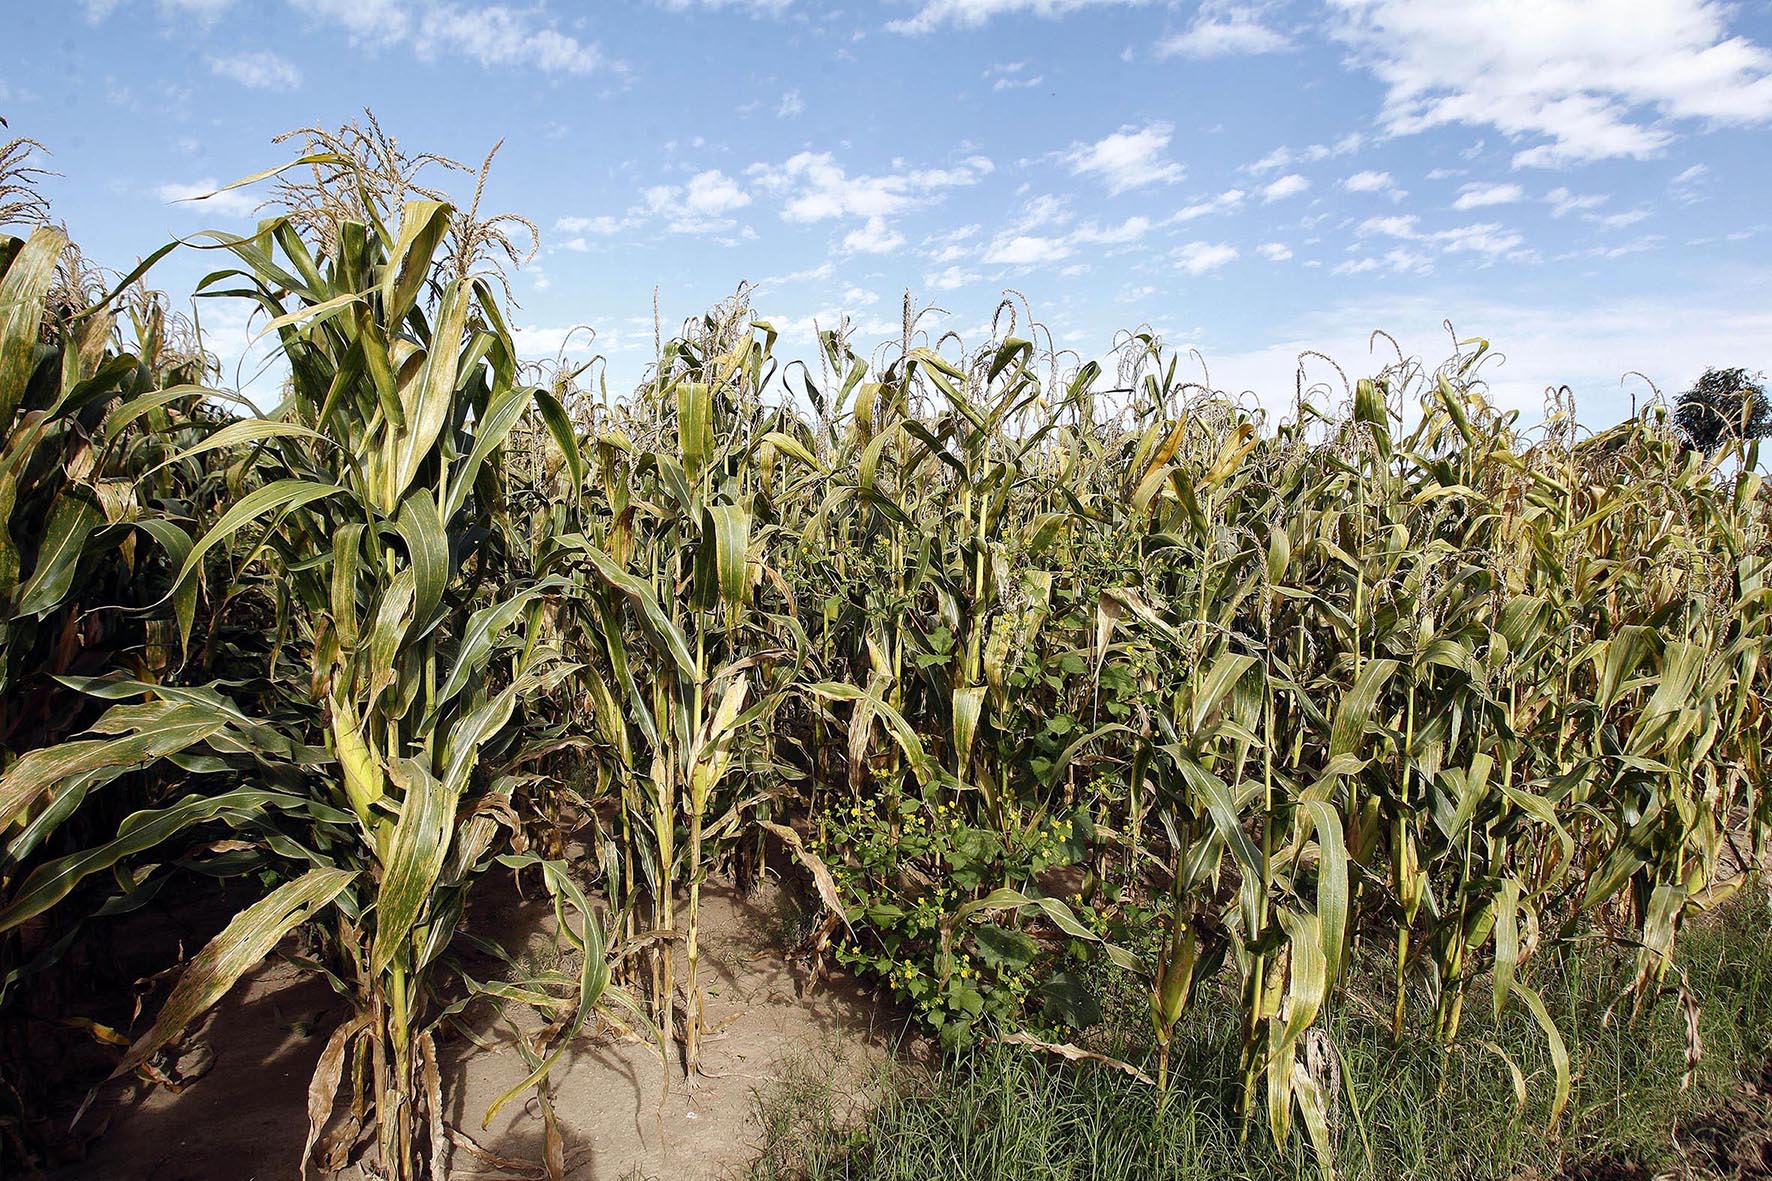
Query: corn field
[[1032, 673]]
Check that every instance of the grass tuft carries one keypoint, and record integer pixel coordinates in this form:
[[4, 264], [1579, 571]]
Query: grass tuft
[[1427, 1111]]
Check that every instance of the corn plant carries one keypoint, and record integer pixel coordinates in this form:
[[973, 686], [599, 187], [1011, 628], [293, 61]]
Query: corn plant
[[370, 522], [665, 531]]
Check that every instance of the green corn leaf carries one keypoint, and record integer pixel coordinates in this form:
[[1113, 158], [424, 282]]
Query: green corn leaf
[[71, 521], [24, 287], [414, 858]]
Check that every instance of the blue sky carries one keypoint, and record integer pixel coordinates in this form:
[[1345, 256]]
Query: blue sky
[[1581, 181]]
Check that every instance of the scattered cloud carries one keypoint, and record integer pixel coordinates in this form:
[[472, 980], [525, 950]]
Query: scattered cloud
[[257, 70], [1374, 182], [748, 7], [1487, 238], [701, 206], [791, 104], [492, 34], [874, 237], [818, 274], [372, 23], [815, 187], [950, 246], [1398, 226], [1024, 250], [1130, 230], [1479, 196], [1490, 238], [1562, 201], [1274, 251], [1199, 258], [1020, 247], [1012, 76], [1689, 185], [1592, 79], [1224, 28], [1226, 202], [1284, 157], [952, 278], [973, 14], [204, 11], [1130, 158], [1290, 185], [603, 225]]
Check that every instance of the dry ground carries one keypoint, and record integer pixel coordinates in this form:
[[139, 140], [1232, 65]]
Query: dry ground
[[244, 1118]]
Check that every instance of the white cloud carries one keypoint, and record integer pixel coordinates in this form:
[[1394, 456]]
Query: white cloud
[[1374, 182], [816, 187], [1591, 78], [874, 237], [972, 14], [367, 22], [1284, 157], [824, 270], [713, 192], [950, 246], [1130, 158], [791, 104], [1021, 250], [1639, 245], [1563, 201], [201, 196], [501, 36], [952, 278], [1487, 238], [1398, 260], [1225, 202], [1478, 196], [1198, 258], [700, 206], [1130, 230], [1289, 185], [1224, 29], [1490, 238], [205, 11], [493, 34], [1018, 246], [258, 70], [1012, 76], [1274, 251], [1399, 226], [748, 7], [601, 225], [1688, 186]]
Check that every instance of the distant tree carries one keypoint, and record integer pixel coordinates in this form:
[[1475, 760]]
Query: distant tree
[[1724, 404]]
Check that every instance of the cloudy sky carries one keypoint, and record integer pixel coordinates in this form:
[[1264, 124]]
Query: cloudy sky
[[1581, 181]]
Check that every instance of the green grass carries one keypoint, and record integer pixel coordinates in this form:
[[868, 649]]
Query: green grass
[[1425, 1112]]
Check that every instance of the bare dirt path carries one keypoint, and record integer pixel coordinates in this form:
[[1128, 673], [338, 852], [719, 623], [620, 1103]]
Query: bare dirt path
[[245, 1118]]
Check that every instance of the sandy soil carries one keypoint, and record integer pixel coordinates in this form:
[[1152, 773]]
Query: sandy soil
[[244, 1118]]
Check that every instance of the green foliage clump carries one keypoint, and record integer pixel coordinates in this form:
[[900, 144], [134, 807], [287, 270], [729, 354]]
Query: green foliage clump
[[1724, 404]]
